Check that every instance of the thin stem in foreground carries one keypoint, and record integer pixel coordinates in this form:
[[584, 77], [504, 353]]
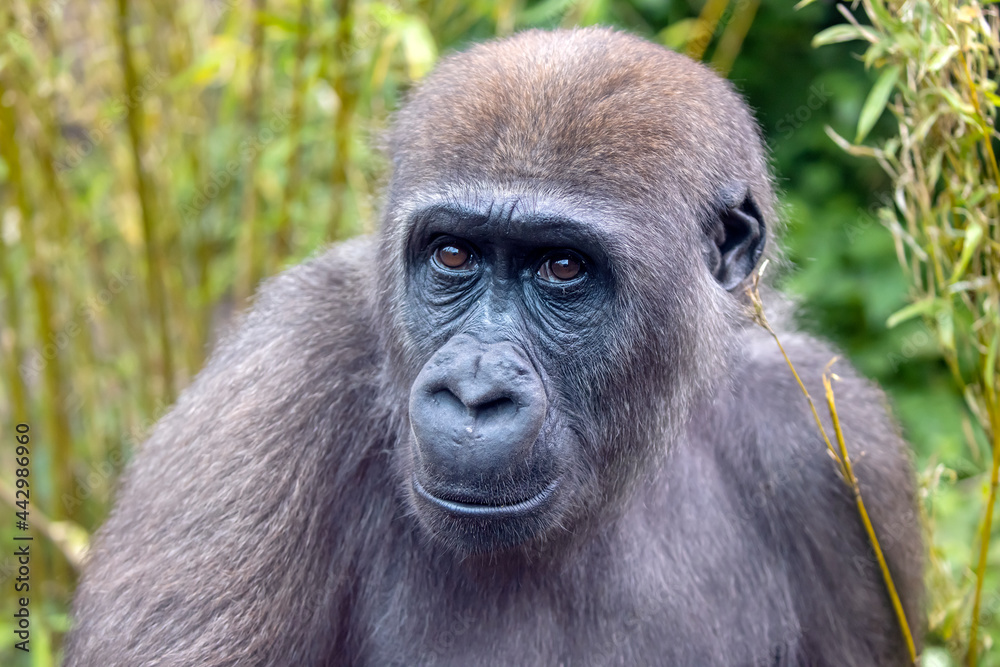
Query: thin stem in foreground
[[761, 319], [984, 534], [841, 457], [866, 520]]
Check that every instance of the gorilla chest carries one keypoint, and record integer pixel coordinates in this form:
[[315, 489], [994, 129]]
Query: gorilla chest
[[656, 608]]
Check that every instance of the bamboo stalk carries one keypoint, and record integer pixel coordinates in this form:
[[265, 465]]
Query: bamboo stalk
[[147, 204], [53, 377], [53, 380], [9, 151], [247, 264], [866, 520], [705, 28], [992, 401], [732, 38], [284, 233], [344, 118], [985, 532]]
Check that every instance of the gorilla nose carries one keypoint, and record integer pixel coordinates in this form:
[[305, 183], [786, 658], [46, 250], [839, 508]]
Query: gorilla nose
[[479, 406], [476, 410]]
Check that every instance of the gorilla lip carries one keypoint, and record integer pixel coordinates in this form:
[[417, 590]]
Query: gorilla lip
[[488, 511]]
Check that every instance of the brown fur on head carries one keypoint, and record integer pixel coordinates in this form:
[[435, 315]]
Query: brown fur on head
[[602, 111]]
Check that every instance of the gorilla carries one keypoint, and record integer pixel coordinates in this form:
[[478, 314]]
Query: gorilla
[[530, 422]]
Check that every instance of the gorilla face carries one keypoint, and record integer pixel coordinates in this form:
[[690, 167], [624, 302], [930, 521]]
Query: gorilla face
[[557, 257], [531, 402], [502, 300]]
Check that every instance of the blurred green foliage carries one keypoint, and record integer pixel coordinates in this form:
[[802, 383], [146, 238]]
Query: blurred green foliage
[[936, 64], [139, 139]]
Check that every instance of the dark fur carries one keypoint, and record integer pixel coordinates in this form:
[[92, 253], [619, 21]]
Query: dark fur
[[269, 519]]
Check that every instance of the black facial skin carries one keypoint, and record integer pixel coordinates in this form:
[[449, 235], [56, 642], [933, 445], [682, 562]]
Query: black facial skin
[[489, 434], [496, 453], [530, 422]]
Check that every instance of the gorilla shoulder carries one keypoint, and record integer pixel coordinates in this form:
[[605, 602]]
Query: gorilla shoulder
[[791, 477], [869, 431]]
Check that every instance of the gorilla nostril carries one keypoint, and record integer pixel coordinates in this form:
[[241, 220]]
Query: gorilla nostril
[[446, 399], [500, 408]]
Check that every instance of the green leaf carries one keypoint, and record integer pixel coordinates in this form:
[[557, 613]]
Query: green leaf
[[846, 146], [882, 16], [946, 328], [922, 307], [933, 168], [874, 55], [990, 365], [973, 235], [838, 33], [942, 57], [920, 133], [877, 99], [977, 196], [956, 102]]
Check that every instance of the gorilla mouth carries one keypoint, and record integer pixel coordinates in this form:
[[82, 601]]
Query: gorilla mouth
[[482, 510]]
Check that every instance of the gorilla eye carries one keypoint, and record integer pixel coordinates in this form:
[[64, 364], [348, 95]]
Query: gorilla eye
[[455, 257], [560, 267]]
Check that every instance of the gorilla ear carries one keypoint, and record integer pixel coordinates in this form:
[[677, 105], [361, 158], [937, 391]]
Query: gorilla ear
[[735, 238]]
